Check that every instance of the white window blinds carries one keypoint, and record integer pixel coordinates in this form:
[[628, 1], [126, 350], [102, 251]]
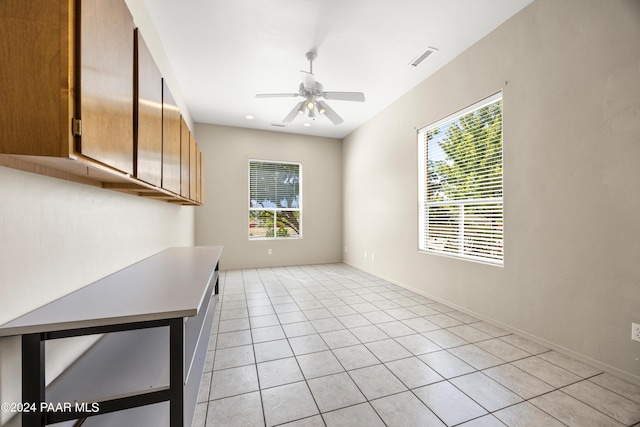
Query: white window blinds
[[460, 183], [275, 202]]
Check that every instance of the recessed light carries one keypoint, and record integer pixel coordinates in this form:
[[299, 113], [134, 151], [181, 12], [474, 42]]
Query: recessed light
[[249, 117], [307, 124]]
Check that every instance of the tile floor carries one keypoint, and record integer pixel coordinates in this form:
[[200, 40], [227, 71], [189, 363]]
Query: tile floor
[[330, 345]]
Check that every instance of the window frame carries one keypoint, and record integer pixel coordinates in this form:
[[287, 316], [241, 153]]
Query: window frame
[[275, 210], [423, 203]]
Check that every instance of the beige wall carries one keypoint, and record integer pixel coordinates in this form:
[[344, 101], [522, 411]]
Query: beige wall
[[57, 236], [224, 218], [570, 75]]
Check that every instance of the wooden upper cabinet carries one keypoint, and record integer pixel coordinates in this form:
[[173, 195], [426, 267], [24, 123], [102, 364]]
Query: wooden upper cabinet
[[36, 68], [83, 100], [106, 82], [170, 141], [185, 145], [149, 115]]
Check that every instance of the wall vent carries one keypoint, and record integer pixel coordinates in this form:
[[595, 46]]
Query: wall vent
[[422, 56]]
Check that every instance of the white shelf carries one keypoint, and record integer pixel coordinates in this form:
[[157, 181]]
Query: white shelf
[[119, 364]]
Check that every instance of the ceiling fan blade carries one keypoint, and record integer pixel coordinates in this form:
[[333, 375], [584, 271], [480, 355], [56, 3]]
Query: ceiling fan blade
[[292, 115], [277, 95], [344, 96], [331, 115]]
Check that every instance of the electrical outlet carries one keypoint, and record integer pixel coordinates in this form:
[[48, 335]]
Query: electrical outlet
[[373, 256], [365, 254], [269, 251], [346, 250], [635, 331]]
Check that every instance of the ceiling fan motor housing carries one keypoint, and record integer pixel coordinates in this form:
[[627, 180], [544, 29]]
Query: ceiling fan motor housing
[[311, 56]]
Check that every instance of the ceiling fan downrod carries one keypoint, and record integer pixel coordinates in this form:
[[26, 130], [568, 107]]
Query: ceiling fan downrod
[[311, 56]]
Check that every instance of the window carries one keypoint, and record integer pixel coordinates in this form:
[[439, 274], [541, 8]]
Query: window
[[460, 184], [275, 202]]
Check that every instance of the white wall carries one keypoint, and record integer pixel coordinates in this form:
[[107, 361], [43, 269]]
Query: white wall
[[570, 72], [58, 236], [224, 218]]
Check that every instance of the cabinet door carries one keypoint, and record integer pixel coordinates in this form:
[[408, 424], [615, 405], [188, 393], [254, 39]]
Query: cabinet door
[[200, 177], [170, 141], [106, 82], [35, 72], [149, 115], [193, 169], [185, 145]]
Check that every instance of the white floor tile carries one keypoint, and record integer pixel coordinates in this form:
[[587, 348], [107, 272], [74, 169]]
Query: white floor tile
[[448, 403], [335, 391], [413, 372], [356, 356], [526, 415], [520, 382], [376, 381], [234, 381], [405, 409], [287, 403], [487, 392], [242, 410], [361, 415], [547, 372], [446, 364], [366, 349], [319, 364], [279, 372], [612, 404], [571, 411]]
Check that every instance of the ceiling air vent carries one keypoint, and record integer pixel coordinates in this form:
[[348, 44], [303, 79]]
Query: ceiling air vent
[[422, 56], [278, 125]]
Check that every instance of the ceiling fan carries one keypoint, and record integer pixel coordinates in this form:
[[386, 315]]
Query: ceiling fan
[[311, 90]]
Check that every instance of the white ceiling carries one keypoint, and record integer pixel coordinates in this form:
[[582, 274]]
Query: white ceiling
[[223, 52]]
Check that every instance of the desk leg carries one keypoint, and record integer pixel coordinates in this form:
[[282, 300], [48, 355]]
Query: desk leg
[[33, 378], [176, 373]]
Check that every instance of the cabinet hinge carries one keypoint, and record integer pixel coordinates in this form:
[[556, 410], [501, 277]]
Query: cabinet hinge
[[76, 127]]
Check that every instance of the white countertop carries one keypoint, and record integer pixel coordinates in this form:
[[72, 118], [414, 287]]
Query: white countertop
[[167, 285]]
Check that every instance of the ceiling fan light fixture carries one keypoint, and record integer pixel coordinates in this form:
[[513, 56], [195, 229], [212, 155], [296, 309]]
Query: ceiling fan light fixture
[[311, 90]]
